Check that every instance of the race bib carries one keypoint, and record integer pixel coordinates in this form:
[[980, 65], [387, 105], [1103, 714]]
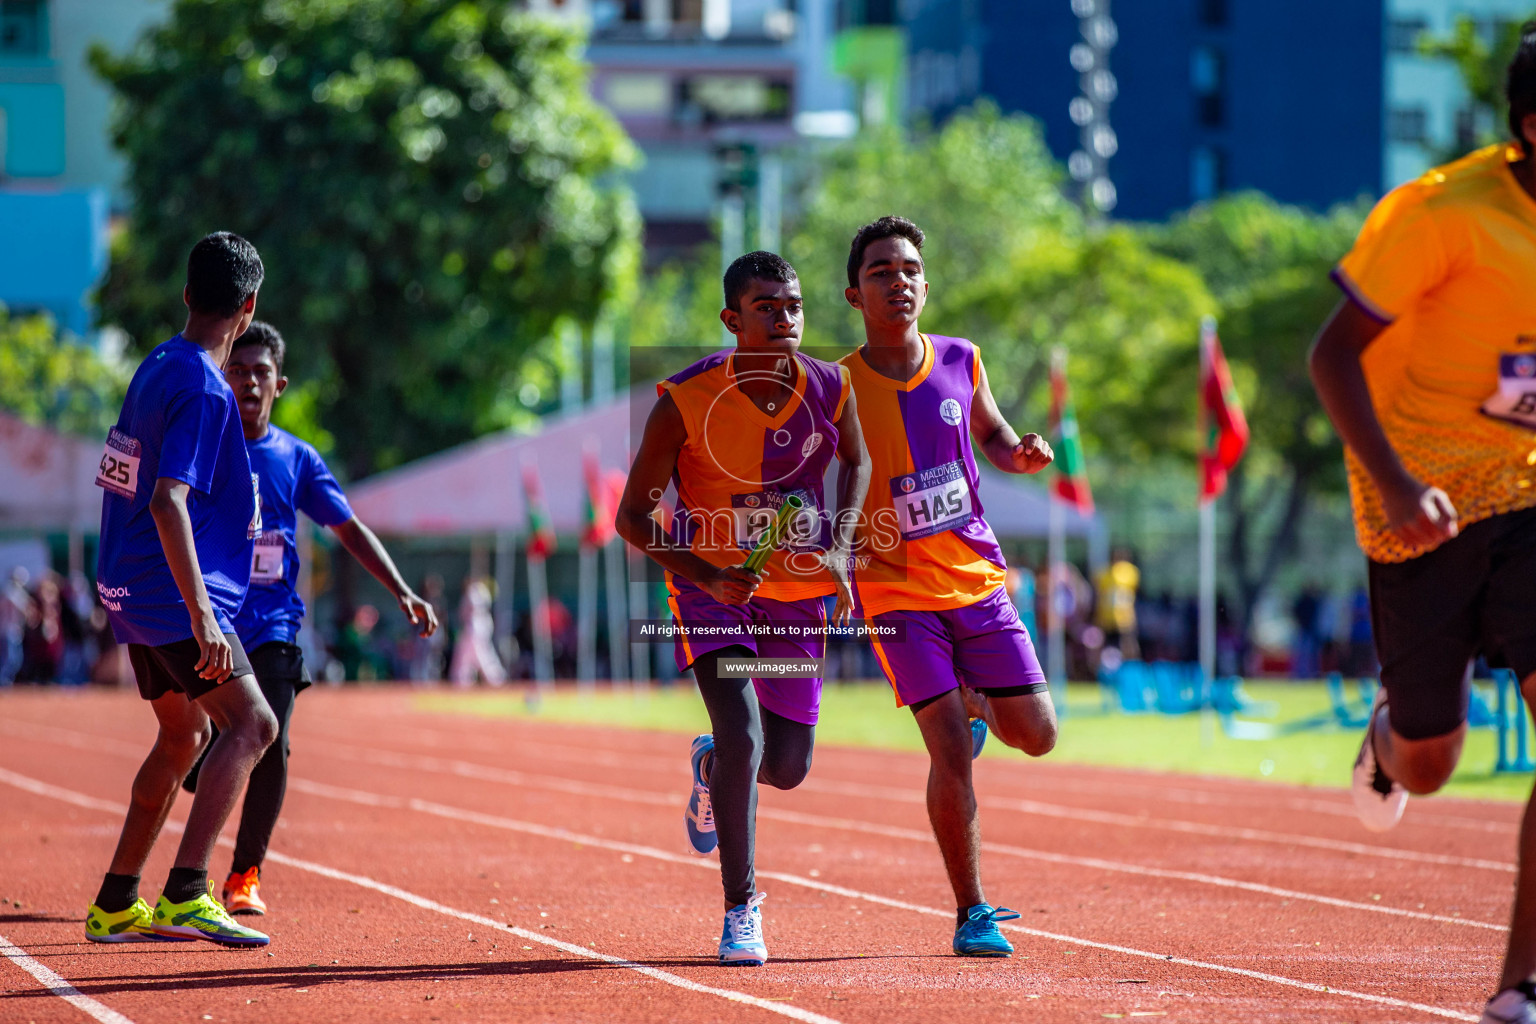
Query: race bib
[[1515, 401], [119, 469], [932, 500], [754, 513], [267, 560]]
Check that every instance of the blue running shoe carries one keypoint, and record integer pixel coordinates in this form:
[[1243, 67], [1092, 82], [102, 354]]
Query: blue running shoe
[[741, 940], [979, 935], [978, 736], [700, 816]]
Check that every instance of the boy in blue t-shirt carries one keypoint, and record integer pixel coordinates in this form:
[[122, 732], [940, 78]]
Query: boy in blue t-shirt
[[293, 479], [177, 524]]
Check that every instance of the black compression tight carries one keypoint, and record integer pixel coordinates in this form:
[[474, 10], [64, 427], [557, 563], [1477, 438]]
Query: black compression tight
[[752, 745]]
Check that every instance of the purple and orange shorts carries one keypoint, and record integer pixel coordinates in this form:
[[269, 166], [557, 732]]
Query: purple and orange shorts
[[760, 627], [983, 645]]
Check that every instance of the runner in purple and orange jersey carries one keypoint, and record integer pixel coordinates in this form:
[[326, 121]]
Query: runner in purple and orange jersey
[[930, 573], [740, 433]]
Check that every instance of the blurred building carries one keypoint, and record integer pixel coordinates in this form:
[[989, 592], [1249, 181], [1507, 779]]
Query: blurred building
[[1428, 112], [715, 93], [59, 177], [1181, 99]]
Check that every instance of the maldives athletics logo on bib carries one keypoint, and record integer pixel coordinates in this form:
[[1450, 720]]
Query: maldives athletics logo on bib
[[949, 412]]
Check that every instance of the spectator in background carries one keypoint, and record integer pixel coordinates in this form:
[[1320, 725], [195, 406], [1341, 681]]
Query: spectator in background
[[427, 651], [1361, 659], [474, 654], [1306, 613], [1115, 611], [15, 607], [42, 643], [1020, 584], [356, 647]]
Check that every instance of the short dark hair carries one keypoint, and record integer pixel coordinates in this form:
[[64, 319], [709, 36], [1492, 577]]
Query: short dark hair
[[223, 271], [869, 234], [755, 266], [263, 335], [1520, 85]]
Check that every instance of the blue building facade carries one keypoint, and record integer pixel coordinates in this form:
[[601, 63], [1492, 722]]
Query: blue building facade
[[1211, 95]]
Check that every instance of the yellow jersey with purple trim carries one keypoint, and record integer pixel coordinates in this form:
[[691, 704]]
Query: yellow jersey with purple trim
[[1448, 262], [738, 465], [924, 544]]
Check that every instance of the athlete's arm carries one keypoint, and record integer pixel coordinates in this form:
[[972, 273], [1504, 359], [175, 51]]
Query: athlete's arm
[[1416, 512], [168, 507], [364, 545], [853, 472], [999, 442], [648, 477]]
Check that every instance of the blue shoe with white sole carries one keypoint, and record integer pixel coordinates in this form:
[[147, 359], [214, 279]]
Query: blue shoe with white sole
[[741, 940], [700, 815], [978, 736], [979, 935]]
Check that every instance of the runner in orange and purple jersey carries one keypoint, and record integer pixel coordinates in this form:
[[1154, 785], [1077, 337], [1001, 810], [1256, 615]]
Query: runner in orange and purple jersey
[[741, 434], [929, 576]]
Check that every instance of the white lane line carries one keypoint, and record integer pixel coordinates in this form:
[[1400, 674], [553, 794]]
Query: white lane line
[[44, 789], [59, 987], [522, 780], [636, 849], [418, 762], [1051, 777]]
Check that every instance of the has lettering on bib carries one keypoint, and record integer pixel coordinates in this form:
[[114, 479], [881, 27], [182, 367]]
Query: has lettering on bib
[[119, 469], [753, 513], [267, 559], [1515, 401], [931, 501]]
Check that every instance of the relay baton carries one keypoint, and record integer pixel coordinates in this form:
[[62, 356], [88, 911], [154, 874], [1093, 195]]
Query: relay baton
[[773, 534]]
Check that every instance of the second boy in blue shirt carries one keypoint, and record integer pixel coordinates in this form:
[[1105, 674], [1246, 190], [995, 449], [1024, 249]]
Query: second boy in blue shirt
[[293, 479]]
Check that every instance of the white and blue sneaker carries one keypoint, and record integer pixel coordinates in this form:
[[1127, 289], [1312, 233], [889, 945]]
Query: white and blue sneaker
[[741, 940], [978, 736], [699, 817], [978, 934], [1510, 1006]]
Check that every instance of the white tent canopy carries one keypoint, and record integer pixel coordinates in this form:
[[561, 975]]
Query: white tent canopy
[[47, 479], [477, 487]]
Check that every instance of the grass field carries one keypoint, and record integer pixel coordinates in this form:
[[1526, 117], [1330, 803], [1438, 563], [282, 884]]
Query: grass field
[[864, 715]]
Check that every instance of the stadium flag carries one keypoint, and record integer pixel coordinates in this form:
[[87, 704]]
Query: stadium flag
[[541, 535], [1071, 483], [599, 505], [1222, 424]]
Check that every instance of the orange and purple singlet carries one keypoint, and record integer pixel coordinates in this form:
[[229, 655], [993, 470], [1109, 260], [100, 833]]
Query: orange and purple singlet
[[736, 467]]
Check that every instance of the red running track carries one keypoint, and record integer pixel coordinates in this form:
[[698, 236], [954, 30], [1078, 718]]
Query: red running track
[[438, 867]]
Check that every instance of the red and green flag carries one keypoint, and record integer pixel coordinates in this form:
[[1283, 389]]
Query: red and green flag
[[1071, 483], [541, 532], [1223, 428], [601, 501]]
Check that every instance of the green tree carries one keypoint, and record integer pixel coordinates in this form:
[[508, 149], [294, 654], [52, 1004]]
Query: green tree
[[1013, 266], [1481, 53], [428, 182], [51, 381], [1267, 265]]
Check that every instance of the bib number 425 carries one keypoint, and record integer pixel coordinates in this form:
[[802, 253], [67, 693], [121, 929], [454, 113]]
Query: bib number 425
[[119, 468]]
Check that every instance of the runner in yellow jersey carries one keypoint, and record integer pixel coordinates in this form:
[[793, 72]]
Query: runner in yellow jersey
[[1428, 370]]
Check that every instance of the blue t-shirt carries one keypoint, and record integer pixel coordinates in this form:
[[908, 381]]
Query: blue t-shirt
[[179, 421], [294, 478]]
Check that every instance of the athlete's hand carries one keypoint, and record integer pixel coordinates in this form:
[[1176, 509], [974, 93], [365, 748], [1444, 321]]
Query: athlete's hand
[[1032, 454], [836, 560], [421, 614], [216, 659], [732, 585], [1418, 513]]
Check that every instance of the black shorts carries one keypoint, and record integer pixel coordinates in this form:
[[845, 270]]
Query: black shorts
[[1433, 615], [160, 670], [280, 664]]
